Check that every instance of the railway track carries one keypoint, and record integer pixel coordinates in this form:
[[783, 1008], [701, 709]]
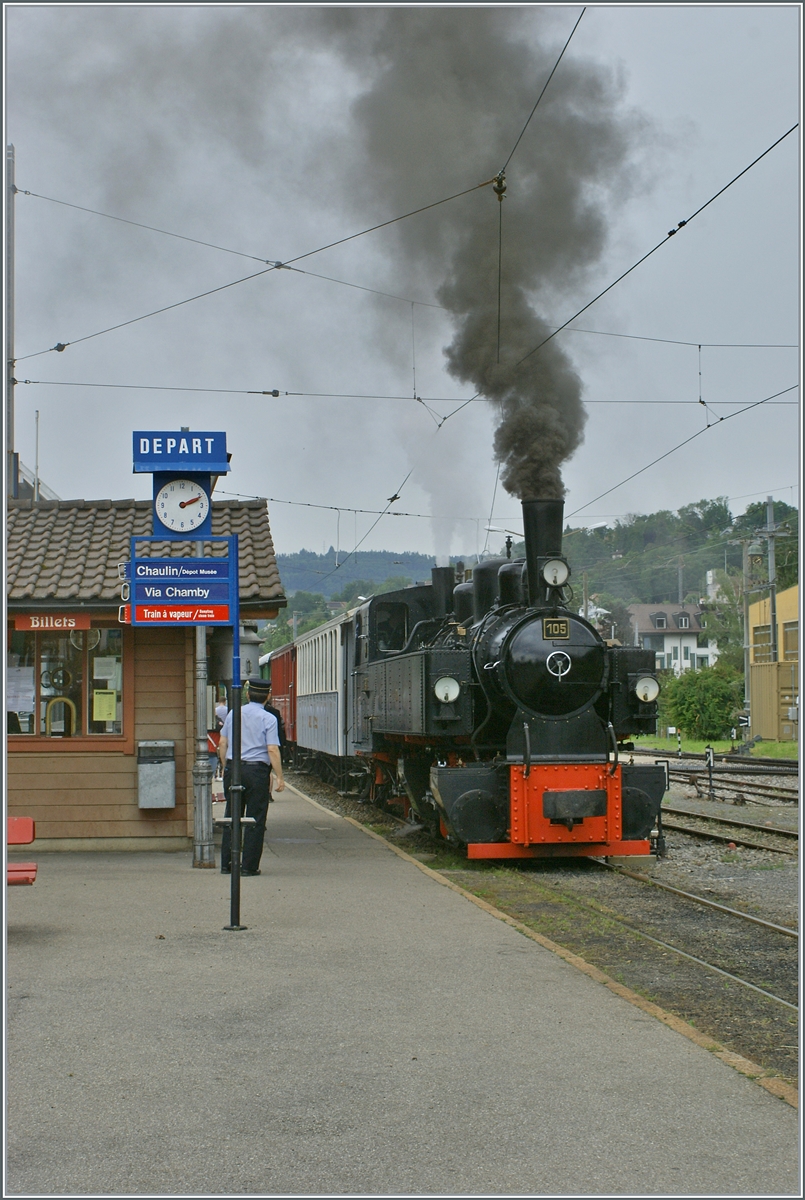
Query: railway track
[[778, 840], [728, 765], [700, 779]]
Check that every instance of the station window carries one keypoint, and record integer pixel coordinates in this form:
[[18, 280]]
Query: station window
[[761, 642], [675, 653], [683, 620], [660, 621], [65, 684], [791, 641], [686, 652]]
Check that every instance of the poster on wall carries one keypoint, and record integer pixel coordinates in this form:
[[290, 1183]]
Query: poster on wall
[[20, 691]]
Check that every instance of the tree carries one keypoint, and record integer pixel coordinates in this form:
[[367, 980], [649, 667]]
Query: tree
[[723, 621], [616, 613], [702, 703], [351, 591]]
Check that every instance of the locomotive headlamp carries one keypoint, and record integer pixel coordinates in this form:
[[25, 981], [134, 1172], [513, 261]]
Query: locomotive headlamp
[[447, 689], [555, 572], [647, 689]]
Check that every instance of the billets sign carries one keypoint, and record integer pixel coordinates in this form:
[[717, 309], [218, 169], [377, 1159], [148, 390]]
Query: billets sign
[[179, 450], [52, 621]]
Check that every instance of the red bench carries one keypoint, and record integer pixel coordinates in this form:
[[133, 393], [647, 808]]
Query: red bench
[[20, 831]]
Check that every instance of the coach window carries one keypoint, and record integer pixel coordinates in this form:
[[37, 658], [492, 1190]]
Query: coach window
[[64, 685]]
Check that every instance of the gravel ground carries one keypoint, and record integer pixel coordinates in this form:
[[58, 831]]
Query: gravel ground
[[756, 881], [596, 914]]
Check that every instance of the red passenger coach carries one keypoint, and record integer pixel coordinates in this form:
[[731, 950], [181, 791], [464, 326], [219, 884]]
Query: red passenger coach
[[282, 673]]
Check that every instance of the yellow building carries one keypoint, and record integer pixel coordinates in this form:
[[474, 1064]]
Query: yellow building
[[774, 686]]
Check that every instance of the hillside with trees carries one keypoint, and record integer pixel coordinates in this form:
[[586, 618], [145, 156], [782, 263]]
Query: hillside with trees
[[642, 559]]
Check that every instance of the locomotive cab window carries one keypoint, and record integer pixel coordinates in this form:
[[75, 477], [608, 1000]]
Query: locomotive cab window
[[391, 625]]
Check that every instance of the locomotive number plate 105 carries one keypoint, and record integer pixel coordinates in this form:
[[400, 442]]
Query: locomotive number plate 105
[[555, 629]]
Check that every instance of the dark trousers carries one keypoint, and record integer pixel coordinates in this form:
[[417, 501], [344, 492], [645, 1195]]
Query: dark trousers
[[255, 777]]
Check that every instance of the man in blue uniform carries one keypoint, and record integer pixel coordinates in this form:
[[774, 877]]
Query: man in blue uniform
[[259, 754]]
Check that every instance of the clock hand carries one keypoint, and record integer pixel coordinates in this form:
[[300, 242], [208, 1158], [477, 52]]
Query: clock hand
[[184, 503]]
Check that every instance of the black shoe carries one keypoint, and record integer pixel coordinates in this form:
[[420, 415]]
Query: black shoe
[[226, 870], [257, 872]]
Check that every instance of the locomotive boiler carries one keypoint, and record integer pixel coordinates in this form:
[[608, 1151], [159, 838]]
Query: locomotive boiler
[[500, 714]]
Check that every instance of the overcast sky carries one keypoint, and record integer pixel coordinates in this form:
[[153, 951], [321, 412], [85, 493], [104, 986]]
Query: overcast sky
[[273, 130]]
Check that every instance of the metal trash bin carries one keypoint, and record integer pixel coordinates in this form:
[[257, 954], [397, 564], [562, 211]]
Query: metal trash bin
[[156, 775]]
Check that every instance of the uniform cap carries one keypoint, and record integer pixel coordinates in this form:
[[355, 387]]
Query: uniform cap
[[259, 687]]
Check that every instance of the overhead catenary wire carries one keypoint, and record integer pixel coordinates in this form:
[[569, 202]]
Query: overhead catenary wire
[[276, 266], [278, 393], [671, 233], [545, 88], [227, 250], [698, 433]]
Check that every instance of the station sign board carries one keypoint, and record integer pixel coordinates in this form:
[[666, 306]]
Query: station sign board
[[179, 451], [179, 591]]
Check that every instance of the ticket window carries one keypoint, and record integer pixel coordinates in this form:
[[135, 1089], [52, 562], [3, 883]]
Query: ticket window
[[65, 684]]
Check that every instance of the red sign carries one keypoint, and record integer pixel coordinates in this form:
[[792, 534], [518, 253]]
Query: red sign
[[53, 621], [170, 614]]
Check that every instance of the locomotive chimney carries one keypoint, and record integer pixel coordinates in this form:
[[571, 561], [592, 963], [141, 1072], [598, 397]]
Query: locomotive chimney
[[443, 580], [542, 525]]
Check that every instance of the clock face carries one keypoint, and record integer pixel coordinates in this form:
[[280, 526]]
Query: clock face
[[182, 505]]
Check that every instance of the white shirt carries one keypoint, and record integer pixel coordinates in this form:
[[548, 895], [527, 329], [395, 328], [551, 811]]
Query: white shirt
[[258, 730]]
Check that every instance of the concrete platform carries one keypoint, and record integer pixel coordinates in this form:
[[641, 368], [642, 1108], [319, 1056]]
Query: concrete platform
[[371, 1033]]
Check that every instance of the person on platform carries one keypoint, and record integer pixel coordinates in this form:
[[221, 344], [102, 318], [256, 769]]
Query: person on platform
[[259, 755]]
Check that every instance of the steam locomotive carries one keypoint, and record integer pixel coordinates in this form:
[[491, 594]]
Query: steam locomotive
[[488, 708]]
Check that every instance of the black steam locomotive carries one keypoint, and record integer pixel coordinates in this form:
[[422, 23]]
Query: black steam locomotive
[[498, 712]]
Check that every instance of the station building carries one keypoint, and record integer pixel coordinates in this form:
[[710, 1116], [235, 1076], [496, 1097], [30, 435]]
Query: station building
[[677, 633], [774, 684], [83, 690]]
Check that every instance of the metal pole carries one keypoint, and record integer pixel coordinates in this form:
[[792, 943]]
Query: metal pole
[[586, 598], [12, 462], [203, 844], [36, 461], [709, 754], [747, 672], [770, 527], [235, 787]]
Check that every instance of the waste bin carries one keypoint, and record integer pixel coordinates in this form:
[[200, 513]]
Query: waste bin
[[156, 775]]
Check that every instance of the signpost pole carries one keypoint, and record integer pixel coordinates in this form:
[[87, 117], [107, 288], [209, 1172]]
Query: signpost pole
[[235, 786]]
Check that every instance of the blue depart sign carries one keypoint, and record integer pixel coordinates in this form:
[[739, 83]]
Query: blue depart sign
[[179, 451]]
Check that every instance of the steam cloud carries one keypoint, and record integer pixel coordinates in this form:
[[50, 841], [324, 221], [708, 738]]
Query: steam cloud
[[449, 97], [437, 98]]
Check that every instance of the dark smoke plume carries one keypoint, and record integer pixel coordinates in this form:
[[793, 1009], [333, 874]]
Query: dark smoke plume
[[449, 94]]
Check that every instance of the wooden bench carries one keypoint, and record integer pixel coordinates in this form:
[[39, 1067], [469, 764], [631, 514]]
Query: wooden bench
[[20, 831]]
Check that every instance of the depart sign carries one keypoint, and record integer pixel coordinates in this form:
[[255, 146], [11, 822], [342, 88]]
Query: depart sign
[[179, 450]]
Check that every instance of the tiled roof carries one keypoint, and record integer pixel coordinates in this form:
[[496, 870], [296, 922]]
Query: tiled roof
[[642, 613], [67, 551]]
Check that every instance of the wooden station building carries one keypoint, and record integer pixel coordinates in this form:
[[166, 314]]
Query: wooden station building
[[83, 691]]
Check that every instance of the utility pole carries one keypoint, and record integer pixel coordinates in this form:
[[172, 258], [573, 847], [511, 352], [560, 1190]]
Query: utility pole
[[586, 601], [12, 460], [744, 543], [36, 461], [680, 580], [771, 529]]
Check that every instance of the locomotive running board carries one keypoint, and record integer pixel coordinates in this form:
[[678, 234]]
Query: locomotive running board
[[561, 850]]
